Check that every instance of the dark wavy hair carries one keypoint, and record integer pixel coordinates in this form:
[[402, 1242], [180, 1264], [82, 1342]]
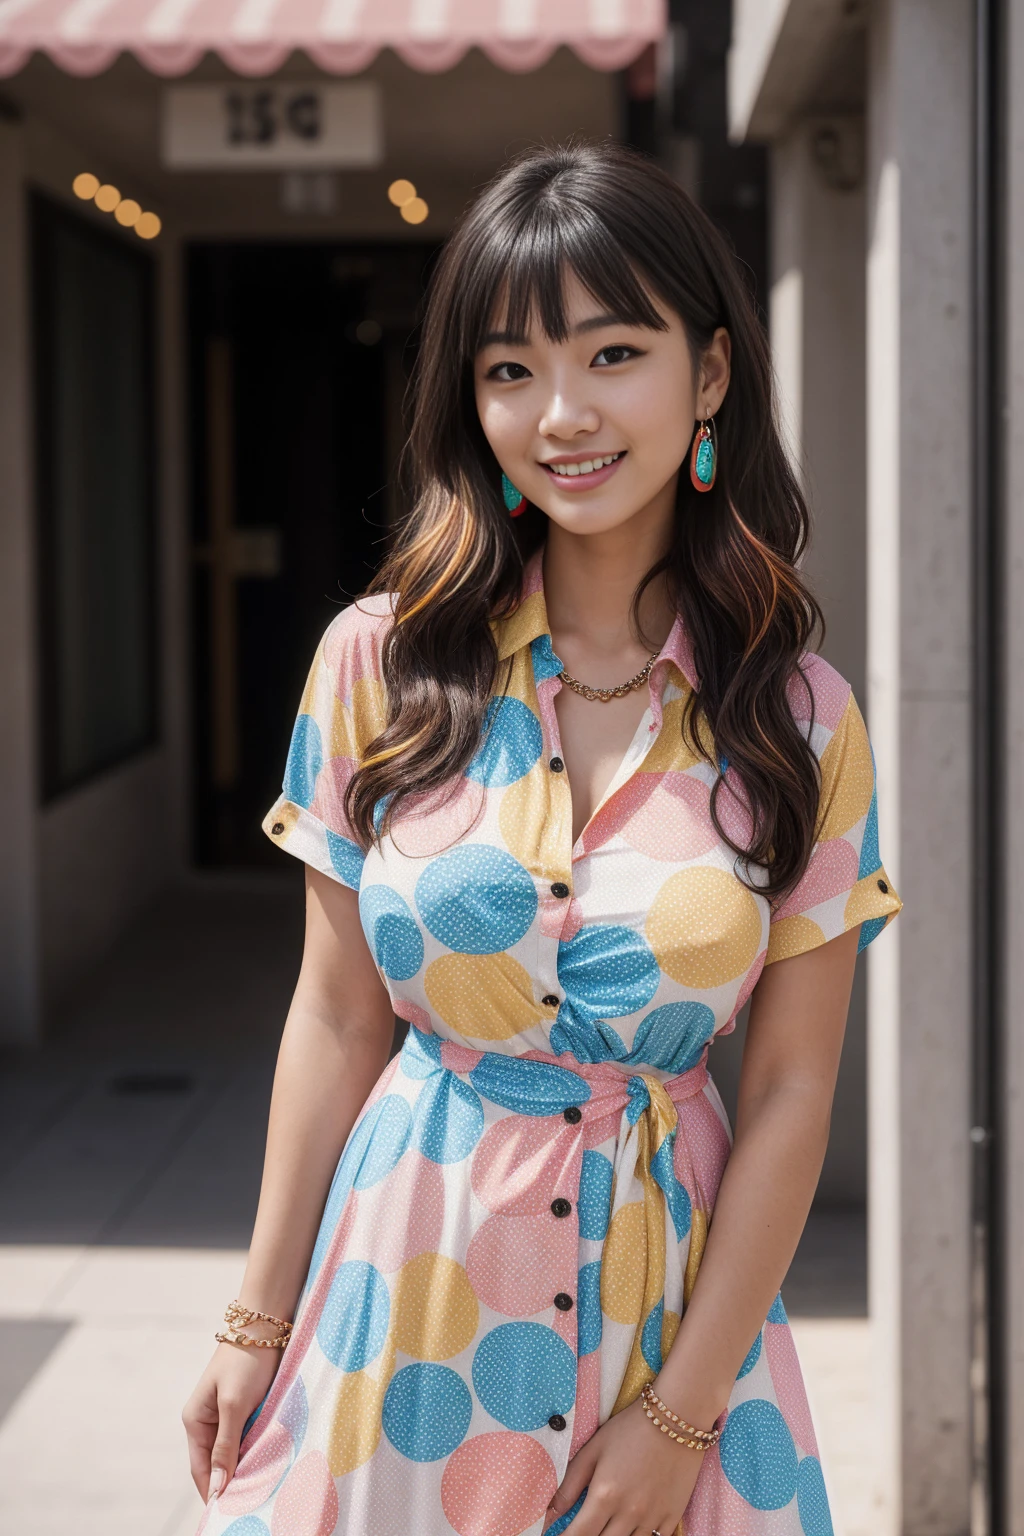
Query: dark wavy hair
[[628, 232]]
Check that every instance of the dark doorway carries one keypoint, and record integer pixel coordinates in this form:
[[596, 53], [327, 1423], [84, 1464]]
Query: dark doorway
[[299, 361]]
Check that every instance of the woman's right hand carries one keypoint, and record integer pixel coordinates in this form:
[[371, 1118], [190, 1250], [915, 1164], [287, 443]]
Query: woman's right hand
[[234, 1383]]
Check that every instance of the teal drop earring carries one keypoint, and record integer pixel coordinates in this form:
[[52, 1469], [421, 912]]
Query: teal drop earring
[[515, 501], [704, 456]]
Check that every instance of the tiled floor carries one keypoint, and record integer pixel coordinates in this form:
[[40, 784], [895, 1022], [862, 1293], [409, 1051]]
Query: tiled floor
[[130, 1158]]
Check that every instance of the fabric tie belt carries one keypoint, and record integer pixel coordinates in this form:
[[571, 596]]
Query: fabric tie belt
[[587, 1102]]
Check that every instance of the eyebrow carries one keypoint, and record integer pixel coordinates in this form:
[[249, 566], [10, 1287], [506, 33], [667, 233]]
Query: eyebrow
[[514, 339]]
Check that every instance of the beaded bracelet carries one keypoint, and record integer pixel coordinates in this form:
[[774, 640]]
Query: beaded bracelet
[[687, 1434], [237, 1317]]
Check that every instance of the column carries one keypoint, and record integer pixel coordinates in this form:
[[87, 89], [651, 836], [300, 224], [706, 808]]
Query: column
[[919, 701], [816, 311], [1013, 672]]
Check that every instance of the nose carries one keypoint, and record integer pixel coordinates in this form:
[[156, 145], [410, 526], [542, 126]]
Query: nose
[[568, 414]]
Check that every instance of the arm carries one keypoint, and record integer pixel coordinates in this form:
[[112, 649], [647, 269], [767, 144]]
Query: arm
[[638, 1479], [335, 1044]]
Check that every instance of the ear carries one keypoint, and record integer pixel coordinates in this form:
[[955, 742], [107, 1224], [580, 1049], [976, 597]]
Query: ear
[[714, 373]]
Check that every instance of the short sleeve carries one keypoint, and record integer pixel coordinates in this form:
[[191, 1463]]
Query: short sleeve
[[342, 709], [845, 883]]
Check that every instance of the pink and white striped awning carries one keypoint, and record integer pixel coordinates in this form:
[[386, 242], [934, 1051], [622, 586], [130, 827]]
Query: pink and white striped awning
[[254, 37]]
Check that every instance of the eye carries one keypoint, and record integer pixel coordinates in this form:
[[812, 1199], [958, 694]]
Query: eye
[[619, 353], [508, 373]]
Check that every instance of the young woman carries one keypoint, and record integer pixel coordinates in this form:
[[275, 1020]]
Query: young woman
[[570, 790]]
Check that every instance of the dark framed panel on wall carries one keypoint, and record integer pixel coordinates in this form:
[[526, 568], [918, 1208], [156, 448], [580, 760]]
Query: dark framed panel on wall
[[93, 349]]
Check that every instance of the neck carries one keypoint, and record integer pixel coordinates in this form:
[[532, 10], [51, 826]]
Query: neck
[[590, 579]]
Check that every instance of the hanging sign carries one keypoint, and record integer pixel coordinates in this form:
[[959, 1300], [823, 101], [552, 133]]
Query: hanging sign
[[277, 125]]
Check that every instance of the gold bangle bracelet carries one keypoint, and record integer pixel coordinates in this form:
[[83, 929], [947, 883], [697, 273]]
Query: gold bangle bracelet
[[686, 1434], [242, 1338], [238, 1317]]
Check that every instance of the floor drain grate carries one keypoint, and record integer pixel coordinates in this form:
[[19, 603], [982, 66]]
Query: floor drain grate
[[152, 1082]]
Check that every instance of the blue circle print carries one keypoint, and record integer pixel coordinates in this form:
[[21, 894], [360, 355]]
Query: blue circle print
[[448, 1119], [248, 1525], [812, 1500], [607, 970], [545, 663], [870, 854], [477, 899], [372, 1150], [595, 1197], [391, 932], [512, 744], [564, 1521], [870, 929], [758, 1454], [588, 1039], [523, 1373], [650, 1337], [777, 1313], [426, 1411], [753, 1355], [589, 1324], [673, 1036], [379, 1140], [354, 1322], [528, 1087], [305, 760], [346, 858], [677, 1196], [421, 1053]]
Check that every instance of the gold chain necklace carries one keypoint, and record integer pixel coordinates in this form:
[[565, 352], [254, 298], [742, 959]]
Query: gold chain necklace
[[604, 694]]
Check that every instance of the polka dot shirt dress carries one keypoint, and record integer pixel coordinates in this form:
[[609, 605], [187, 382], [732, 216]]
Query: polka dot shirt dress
[[518, 1217]]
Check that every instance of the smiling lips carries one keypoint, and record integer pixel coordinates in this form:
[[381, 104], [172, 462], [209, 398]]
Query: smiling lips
[[584, 474]]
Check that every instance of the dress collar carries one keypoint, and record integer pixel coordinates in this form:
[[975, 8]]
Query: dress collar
[[529, 622]]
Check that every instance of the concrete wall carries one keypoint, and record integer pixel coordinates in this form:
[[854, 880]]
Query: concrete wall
[[816, 315], [919, 698], [1013, 981]]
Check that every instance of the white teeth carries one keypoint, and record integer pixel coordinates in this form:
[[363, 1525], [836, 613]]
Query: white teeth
[[586, 466]]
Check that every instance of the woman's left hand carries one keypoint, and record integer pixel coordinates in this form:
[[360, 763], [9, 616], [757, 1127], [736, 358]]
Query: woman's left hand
[[638, 1480]]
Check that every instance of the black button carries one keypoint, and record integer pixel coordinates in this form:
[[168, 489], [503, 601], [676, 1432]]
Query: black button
[[556, 765], [550, 1001], [573, 1114], [556, 1421], [560, 1207], [563, 1301], [560, 889], [277, 828], [883, 887]]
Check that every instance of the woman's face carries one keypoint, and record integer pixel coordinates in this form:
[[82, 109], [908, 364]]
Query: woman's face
[[594, 429]]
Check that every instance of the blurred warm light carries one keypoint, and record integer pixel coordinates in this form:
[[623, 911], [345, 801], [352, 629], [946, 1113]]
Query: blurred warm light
[[147, 226], [86, 186], [107, 198], [127, 212], [414, 211], [401, 193]]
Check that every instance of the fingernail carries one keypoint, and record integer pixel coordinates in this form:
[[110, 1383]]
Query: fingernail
[[216, 1483]]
